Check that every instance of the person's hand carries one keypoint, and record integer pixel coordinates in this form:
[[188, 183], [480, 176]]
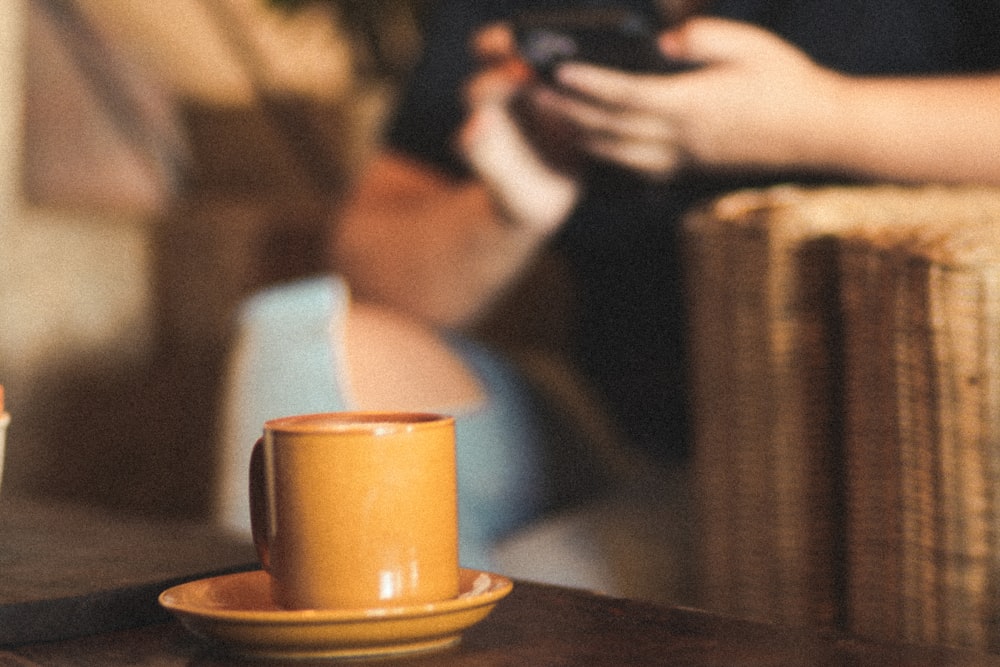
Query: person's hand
[[529, 182], [751, 105]]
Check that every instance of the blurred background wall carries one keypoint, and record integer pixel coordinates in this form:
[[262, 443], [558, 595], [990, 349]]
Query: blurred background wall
[[158, 163]]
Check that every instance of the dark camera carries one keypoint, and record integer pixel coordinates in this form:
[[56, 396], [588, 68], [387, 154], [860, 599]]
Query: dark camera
[[619, 38]]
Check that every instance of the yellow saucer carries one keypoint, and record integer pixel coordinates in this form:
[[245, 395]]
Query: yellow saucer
[[236, 611]]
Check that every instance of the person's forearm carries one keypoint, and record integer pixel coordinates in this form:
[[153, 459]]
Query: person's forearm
[[918, 130], [425, 245]]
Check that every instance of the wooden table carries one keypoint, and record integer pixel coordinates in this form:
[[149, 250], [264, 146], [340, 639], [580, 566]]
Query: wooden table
[[535, 626], [67, 570], [539, 626]]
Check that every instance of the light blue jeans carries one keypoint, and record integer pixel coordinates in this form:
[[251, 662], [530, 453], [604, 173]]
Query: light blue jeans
[[287, 360]]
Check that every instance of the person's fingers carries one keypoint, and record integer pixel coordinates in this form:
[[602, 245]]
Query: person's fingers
[[604, 120], [497, 84], [656, 161], [525, 188], [494, 42], [705, 39]]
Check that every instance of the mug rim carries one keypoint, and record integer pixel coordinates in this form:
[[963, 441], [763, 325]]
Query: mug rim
[[360, 421]]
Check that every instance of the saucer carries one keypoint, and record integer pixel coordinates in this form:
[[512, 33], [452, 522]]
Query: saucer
[[237, 612]]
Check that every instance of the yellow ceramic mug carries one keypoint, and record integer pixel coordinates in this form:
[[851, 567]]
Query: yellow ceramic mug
[[356, 510]]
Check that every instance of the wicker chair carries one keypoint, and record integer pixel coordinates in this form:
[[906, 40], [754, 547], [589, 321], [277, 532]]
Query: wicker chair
[[846, 380]]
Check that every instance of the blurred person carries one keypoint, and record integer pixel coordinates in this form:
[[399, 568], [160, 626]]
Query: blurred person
[[485, 166]]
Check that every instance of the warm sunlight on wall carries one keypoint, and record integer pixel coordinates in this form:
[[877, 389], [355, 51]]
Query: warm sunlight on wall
[[11, 30], [71, 283], [218, 51]]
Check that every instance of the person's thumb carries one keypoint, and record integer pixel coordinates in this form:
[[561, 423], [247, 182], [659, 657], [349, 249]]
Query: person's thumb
[[707, 40]]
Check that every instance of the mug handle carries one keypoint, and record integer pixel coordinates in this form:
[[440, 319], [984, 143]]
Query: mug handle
[[259, 514]]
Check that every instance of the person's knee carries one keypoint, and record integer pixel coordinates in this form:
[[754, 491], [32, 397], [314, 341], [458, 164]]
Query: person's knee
[[393, 362]]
